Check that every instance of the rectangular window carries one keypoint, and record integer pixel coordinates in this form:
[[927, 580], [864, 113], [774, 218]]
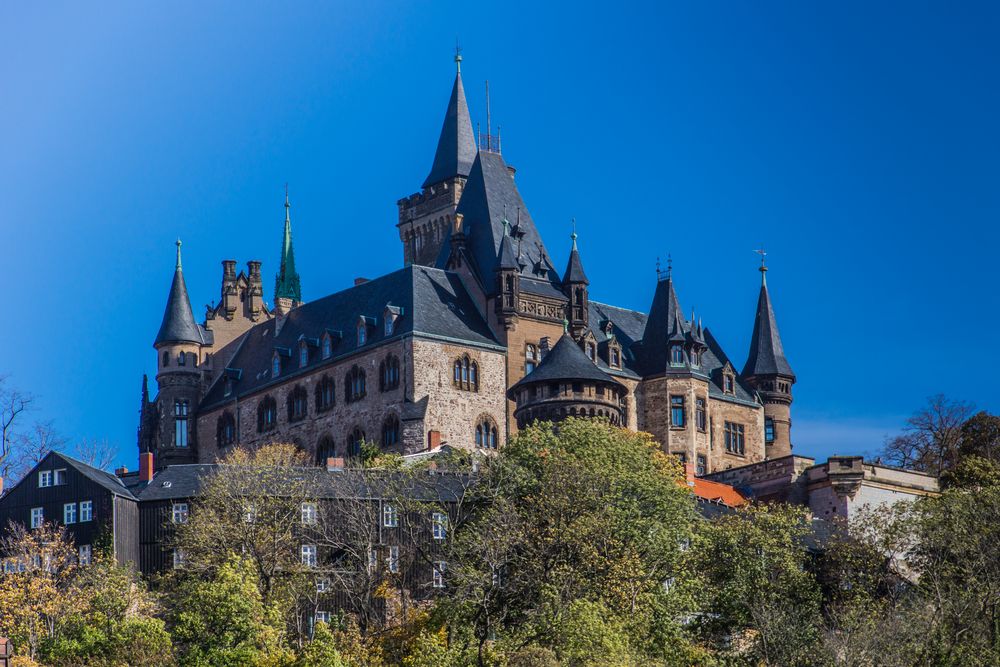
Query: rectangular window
[[178, 558], [59, 477], [86, 556], [677, 411], [44, 478], [768, 430], [37, 517], [439, 525], [390, 519], [322, 585], [323, 617], [86, 510], [69, 513], [730, 386], [700, 469], [180, 423], [179, 513], [309, 555], [309, 513], [372, 560], [734, 438], [392, 562], [439, 566], [699, 413], [676, 355]]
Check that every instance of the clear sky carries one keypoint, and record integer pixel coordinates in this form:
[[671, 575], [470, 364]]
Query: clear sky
[[857, 140]]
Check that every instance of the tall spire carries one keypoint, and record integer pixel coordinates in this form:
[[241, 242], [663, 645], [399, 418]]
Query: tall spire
[[286, 283], [456, 149], [767, 356], [178, 325], [574, 267]]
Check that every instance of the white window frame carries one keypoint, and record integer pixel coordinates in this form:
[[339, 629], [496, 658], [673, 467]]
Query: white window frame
[[86, 511], [308, 554], [308, 514], [37, 517], [44, 479], [372, 560], [322, 585], [179, 513], [86, 554], [392, 561], [322, 617], [439, 568], [439, 525], [390, 517], [59, 477], [70, 513]]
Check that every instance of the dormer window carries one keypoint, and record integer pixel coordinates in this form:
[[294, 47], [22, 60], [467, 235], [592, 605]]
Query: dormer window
[[616, 358], [362, 334], [591, 351], [303, 354], [327, 349], [227, 387], [275, 365], [695, 357], [676, 355], [729, 384]]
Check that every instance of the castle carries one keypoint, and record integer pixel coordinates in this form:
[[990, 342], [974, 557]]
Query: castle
[[476, 336]]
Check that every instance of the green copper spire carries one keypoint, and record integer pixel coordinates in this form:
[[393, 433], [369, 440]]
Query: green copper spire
[[286, 283]]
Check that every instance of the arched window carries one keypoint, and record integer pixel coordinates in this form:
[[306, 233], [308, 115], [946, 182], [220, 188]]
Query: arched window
[[303, 354], [225, 430], [275, 365], [390, 432], [297, 403], [362, 334], [474, 376], [486, 433], [530, 358], [457, 379], [181, 358], [354, 442], [466, 375], [389, 373], [324, 450], [267, 414], [327, 349], [354, 384], [325, 394], [166, 358]]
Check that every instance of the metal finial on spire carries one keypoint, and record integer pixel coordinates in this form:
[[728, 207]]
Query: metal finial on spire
[[178, 254], [458, 56], [506, 222], [565, 325], [573, 235], [287, 205], [657, 267], [670, 266], [763, 264]]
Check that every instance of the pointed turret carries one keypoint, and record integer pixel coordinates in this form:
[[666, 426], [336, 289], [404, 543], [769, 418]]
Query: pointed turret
[[508, 278], [287, 289], [665, 326], [456, 149], [574, 267], [178, 325], [769, 373], [574, 284]]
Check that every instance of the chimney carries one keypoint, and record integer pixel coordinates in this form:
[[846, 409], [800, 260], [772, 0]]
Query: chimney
[[433, 439], [121, 472], [689, 473], [360, 281], [146, 466], [335, 464], [255, 290]]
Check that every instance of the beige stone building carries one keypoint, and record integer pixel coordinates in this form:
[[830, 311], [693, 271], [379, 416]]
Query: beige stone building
[[431, 353]]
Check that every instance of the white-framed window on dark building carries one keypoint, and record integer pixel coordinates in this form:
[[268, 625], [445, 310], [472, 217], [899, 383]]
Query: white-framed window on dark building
[[323, 617], [308, 553], [37, 517], [59, 477], [439, 568], [69, 513], [86, 511], [44, 478], [768, 430], [86, 554], [180, 423], [390, 517], [309, 513], [372, 560], [392, 561], [322, 585], [699, 414], [676, 355], [179, 513], [439, 525], [677, 411], [734, 438]]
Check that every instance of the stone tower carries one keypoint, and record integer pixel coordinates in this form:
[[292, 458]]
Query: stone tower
[[287, 288], [426, 217], [178, 346], [770, 374]]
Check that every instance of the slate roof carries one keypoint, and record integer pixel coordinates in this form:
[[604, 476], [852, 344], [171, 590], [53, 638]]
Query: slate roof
[[665, 320], [456, 147], [490, 197], [767, 356], [187, 481], [432, 303], [178, 325], [574, 267], [101, 477], [565, 361]]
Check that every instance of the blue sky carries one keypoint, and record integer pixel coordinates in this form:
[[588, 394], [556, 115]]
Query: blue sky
[[858, 141]]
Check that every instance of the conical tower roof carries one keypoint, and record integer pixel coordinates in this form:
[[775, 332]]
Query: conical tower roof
[[574, 267], [178, 325], [566, 361], [286, 283], [456, 149], [767, 356]]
